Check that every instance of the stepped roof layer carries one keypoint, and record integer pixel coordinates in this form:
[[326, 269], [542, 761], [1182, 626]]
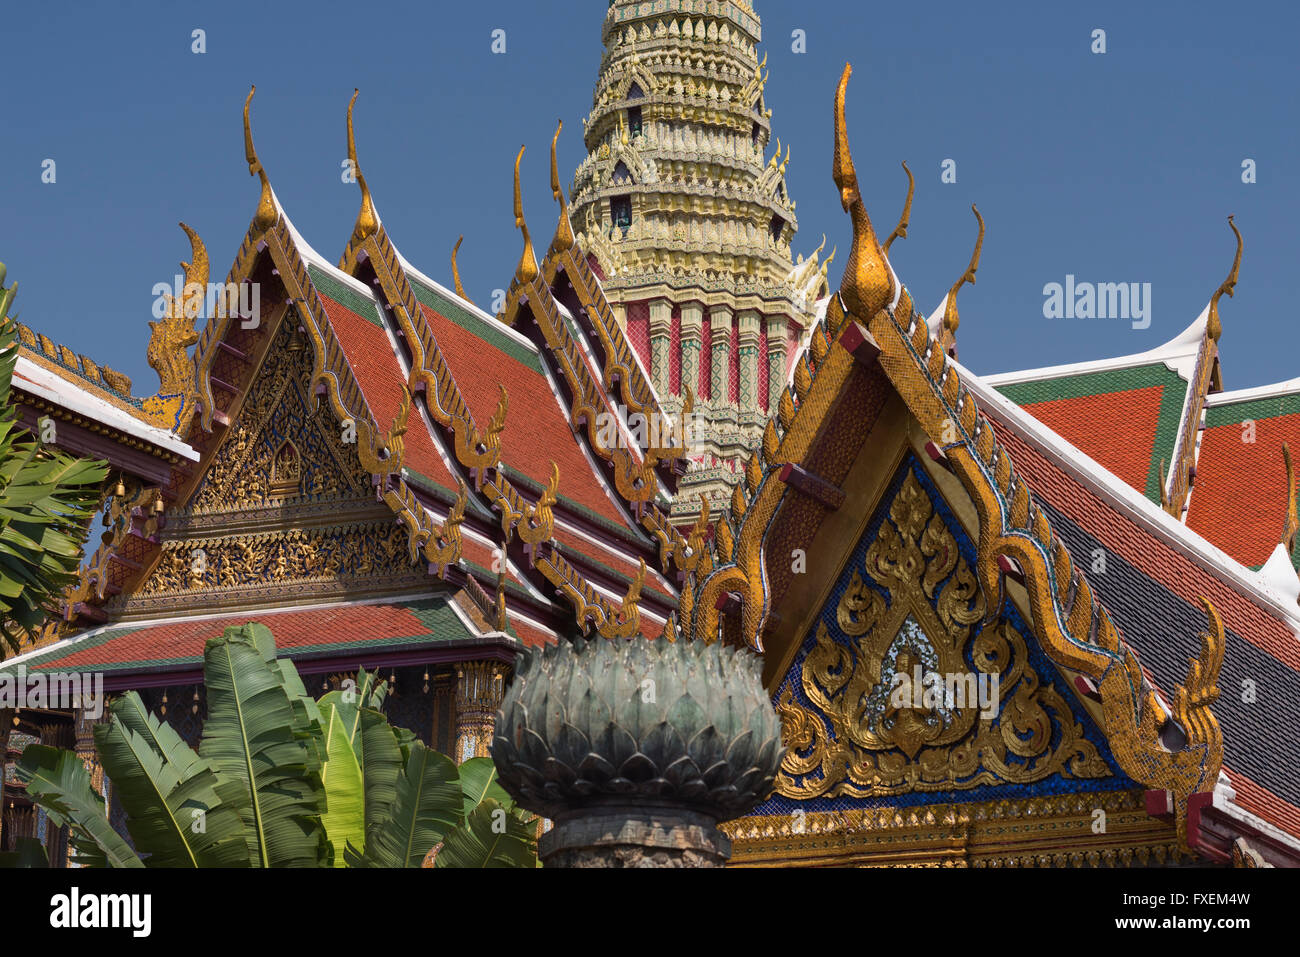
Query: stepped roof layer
[[330, 631], [1240, 499], [1129, 414]]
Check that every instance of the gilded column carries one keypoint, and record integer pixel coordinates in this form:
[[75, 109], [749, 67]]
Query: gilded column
[[479, 686], [661, 327], [750, 339], [620, 313], [720, 323], [692, 338], [776, 360], [84, 727]]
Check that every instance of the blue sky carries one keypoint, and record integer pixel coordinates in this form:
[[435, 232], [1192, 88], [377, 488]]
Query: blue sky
[[1119, 167]]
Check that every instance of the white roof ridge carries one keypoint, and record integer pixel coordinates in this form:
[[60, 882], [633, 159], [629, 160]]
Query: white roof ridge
[[1271, 390], [31, 377], [1130, 502], [1185, 345], [309, 253], [1278, 576]]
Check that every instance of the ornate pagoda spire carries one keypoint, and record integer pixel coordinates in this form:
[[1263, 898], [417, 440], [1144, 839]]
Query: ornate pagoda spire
[[688, 222]]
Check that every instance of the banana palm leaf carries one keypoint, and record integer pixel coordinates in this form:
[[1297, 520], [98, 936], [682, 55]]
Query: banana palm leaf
[[344, 818], [478, 781], [428, 804], [251, 737], [29, 855], [179, 812], [59, 782], [492, 836]]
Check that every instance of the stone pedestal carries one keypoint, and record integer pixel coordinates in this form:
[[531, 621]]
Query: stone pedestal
[[622, 835], [637, 750]]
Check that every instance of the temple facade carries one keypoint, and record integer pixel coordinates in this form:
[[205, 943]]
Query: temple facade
[[1005, 620]]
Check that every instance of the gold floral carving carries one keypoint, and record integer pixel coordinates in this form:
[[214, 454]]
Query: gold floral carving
[[853, 740]]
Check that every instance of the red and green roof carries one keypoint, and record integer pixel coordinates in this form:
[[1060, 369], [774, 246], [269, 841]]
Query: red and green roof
[[299, 633], [1239, 500], [1125, 419]]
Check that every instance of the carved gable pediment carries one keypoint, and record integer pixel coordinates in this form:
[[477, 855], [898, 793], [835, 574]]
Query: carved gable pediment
[[903, 687]]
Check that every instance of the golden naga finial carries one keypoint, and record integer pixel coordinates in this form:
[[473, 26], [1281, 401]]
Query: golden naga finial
[[266, 213], [395, 441], [900, 231], [1193, 698], [868, 286], [367, 218], [171, 338], [1214, 327], [527, 270], [950, 318], [455, 271], [564, 229], [1291, 530]]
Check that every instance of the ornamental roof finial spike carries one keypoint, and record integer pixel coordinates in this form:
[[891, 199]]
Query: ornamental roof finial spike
[[527, 270], [266, 213], [1291, 530], [868, 285], [455, 270], [950, 318], [1214, 326], [900, 231], [564, 229], [367, 218]]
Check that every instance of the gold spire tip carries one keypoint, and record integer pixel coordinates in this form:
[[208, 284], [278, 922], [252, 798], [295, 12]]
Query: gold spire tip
[[905, 220], [1215, 327]]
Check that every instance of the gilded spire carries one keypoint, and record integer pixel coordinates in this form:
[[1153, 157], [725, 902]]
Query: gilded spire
[[266, 213], [455, 271], [527, 270], [1215, 327], [1291, 530], [564, 229], [367, 219], [950, 318], [900, 231], [868, 286]]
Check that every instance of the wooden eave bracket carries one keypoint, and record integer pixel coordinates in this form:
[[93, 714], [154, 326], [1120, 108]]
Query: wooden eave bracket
[[858, 342], [814, 486]]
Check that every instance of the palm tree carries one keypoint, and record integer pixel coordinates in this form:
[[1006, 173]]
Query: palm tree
[[278, 780], [46, 501]]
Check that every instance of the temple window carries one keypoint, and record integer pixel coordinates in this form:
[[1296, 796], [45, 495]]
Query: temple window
[[777, 225], [755, 133], [620, 212], [634, 121], [622, 174]]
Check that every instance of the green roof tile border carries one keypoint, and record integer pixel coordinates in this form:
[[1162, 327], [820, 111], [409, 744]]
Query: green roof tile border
[[1173, 399], [476, 325], [345, 295]]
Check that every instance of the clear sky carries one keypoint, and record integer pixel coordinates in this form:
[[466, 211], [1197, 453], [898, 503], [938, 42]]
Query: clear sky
[[1114, 167]]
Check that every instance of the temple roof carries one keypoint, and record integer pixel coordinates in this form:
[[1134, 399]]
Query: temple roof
[[1127, 413], [315, 633]]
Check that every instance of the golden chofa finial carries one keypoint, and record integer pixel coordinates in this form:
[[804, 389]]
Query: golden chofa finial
[[564, 230], [900, 231], [1214, 327], [950, 318], [455, 271], [266, 213], [367, 219], [868, 286], [1291, 529], [527, 270]]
